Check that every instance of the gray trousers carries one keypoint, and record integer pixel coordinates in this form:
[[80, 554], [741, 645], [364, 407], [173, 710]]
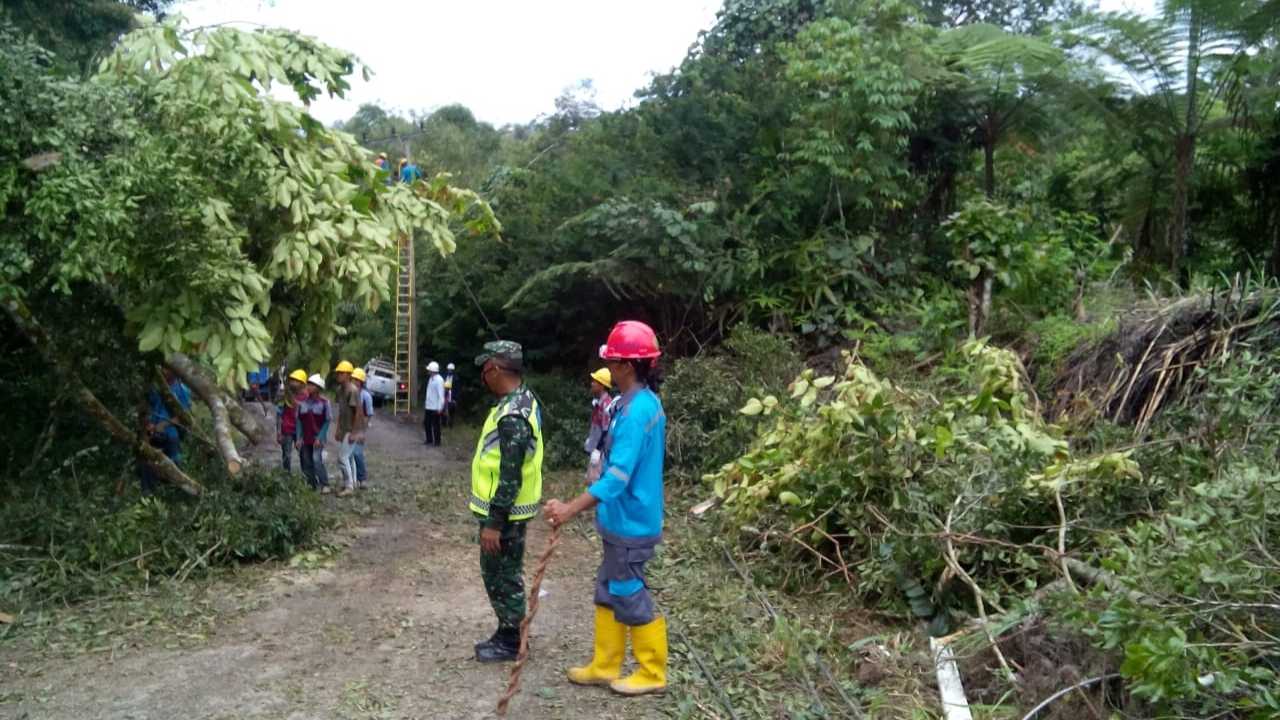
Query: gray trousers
[[620, 583]]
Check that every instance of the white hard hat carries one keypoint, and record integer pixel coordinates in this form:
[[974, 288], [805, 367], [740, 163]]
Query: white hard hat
[[433, 366], [316, 380], [449, 367]]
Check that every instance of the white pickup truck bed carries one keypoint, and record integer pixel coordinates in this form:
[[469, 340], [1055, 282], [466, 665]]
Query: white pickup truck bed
[[381, 380]]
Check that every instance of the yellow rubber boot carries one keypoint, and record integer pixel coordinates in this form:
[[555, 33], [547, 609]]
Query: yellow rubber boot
[[649, 645], [610, 647]]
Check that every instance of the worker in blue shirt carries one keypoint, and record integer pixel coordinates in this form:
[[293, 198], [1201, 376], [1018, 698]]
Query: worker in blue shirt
[[629, 512], [257, 381], [163, 430], [409, 172]]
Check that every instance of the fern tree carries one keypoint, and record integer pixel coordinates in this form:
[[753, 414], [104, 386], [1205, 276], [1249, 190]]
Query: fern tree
[[998, 77], [1184, 59]]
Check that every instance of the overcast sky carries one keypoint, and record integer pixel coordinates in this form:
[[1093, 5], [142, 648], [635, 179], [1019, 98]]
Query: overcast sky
[[507, 60]]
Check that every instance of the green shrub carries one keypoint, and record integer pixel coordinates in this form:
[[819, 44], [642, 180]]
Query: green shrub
[[566, 415], [913, 325], [701, 398], [702, 395], [1057, 336], [883, 467], [1189, 611], [76, 538]]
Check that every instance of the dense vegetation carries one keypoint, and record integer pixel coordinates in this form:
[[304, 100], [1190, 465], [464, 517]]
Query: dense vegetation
[[892, 181], [970, 307], [163, 212]]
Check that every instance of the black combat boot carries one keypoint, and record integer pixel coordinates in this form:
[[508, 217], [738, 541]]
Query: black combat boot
[[504, 647], [487, 643]]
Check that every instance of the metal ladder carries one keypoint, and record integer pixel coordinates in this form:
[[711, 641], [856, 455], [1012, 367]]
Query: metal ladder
[[405, 328]]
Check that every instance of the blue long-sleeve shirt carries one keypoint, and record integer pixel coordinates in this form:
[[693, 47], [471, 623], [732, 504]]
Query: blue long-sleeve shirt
[[160, 412], [410, 173], [260, 376], [630, 488]]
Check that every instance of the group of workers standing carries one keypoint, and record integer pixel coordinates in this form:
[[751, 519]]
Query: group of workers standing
[[625, 487], [406, 172], [625, 446], [303, 417]]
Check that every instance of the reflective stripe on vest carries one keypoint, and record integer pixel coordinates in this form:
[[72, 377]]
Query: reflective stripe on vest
[[488, 459]]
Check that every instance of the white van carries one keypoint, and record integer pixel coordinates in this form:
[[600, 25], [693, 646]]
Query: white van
[[381, 380]]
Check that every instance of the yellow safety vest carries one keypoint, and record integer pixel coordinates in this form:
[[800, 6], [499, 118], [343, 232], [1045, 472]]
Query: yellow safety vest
[[488, 458]]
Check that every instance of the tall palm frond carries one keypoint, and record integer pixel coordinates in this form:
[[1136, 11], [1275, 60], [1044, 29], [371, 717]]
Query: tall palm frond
[[1183, 56]]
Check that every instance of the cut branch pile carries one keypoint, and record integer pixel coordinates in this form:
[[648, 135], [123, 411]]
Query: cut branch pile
[[1151, 360]]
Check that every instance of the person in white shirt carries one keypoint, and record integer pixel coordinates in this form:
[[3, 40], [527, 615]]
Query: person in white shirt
[[433, 404]]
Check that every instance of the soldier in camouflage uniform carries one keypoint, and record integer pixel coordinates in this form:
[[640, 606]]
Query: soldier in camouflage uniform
[[506, 487]]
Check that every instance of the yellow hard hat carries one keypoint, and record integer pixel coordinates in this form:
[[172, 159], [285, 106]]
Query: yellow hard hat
[[358, 374], [344, 367], [604, 377], [299, 375]]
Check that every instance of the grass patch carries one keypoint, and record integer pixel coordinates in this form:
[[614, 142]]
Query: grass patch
[[820, 649]]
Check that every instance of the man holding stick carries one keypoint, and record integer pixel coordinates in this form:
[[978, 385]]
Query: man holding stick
[[629, 515]]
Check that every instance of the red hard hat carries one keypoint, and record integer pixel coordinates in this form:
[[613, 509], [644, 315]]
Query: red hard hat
[[630, 340]]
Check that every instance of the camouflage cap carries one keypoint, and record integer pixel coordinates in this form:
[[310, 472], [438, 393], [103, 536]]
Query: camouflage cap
[[510, 353]]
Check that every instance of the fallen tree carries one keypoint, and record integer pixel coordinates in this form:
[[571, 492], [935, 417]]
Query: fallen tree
[[30, 328], [1152, 561], [1151, 360]]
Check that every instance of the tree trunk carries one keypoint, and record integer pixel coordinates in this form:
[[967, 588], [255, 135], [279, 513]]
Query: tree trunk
[[39, 339], [1185, 151], [179, 413], [989, 158], [176, 411], [242, 420], [1185, 146], [1274, 265], [245, 422], [209, 393], [1077, 305], [980, 303]]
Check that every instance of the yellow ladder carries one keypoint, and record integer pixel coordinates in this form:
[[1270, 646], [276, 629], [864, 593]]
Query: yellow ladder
[[406, 328]]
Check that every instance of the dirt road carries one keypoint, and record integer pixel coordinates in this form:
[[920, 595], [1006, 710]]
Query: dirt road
[[381, 629]]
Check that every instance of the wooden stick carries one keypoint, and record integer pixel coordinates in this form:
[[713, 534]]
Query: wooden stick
[[978, 595], [1062, 538], [513, 685], [1137, 369]]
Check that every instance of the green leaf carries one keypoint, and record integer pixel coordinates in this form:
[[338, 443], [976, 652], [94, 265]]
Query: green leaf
[[151, 337]]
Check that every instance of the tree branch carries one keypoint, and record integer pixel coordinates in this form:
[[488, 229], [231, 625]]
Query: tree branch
[[39, 339], [184, 418], [209, 393]]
